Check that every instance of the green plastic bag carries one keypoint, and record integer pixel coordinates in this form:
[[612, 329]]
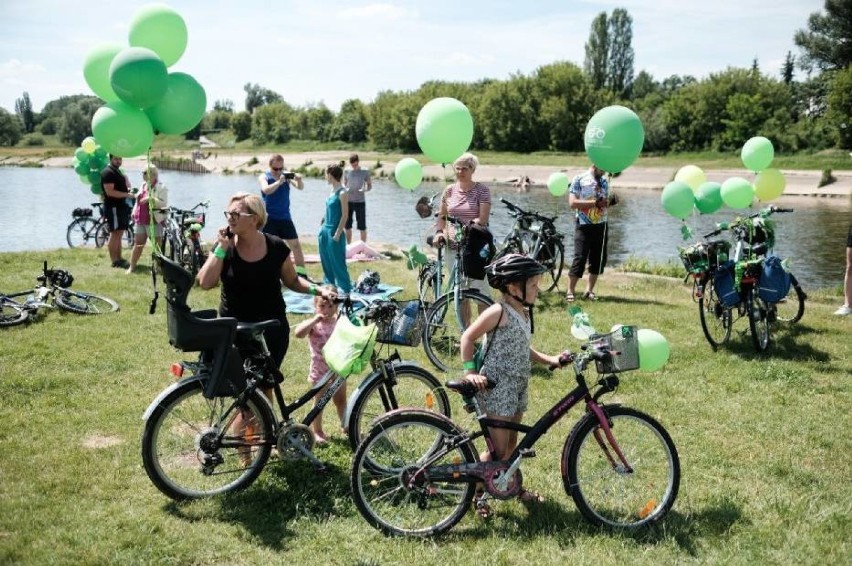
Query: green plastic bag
[[349, 347]]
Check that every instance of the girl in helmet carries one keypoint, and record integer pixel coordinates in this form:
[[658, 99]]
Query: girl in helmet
[[508, 353]]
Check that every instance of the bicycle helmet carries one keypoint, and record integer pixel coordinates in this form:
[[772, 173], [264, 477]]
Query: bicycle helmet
[[514, 268], [368, 282], [61, 278]]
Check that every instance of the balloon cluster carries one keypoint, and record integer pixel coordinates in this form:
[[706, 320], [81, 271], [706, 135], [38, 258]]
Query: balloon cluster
[[141, 95], [89, 160]]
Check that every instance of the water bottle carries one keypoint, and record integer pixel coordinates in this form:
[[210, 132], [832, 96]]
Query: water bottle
[[404, 323], [484, 252], [581, 328]]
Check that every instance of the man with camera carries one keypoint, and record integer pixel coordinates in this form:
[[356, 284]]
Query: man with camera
[[275, 186]]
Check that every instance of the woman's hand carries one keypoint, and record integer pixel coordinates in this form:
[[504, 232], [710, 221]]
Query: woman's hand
[[330, 296], [337, 234], [222, 238], [479, 380]]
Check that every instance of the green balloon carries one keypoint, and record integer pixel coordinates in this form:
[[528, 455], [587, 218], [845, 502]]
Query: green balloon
[[444, 129], [138, 76], [94, 177], [408, 173], [737, 192], [757, 153], [182, 107], [96, 188], [100, 153], [96, 69], [653, 350], [82, 168], [84, 178], [677, 199], [557, 184], [614, 138], [81, 156], [708, 197], [122, 129], [769, 184], [160, 29]]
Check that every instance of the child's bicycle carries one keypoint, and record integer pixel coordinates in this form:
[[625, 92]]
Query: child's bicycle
[[213, 431], [416, 472]]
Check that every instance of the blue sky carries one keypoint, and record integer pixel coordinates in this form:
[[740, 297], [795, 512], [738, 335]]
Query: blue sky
[[330, 51]]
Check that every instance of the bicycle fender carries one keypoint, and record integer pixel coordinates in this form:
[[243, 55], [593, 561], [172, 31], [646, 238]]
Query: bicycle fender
[[368, 382], [380, 420], [168, 390]]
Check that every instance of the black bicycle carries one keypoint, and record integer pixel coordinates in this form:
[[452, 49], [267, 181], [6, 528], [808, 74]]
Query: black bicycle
[[213, 431], [85, 231], [52, 291], [416, 472], [536, 236], [182, 235]]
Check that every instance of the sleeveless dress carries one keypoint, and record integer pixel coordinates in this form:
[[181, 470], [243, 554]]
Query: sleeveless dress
[[508, 363], [333, 253]]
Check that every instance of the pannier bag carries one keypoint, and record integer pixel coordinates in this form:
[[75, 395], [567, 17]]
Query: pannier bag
[[478, 251], [726, 289], [774, 282], [81, 212]]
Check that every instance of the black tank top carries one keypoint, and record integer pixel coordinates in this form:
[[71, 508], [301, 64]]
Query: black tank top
[[251, 291]]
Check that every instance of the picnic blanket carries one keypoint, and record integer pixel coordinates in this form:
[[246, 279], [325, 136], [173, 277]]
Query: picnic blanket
[[304, 304]]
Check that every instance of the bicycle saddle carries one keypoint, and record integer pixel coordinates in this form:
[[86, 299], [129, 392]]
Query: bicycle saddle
[[255, 329], [468, 389]]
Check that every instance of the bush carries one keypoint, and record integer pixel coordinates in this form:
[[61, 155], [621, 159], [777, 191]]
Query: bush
[[827, 178], [33, 140]]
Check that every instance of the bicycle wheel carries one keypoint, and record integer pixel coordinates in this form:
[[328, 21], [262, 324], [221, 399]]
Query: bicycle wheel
[[407, 386], [715, 317], [606, 492], [792, 307], [758, 320], [189, 258], [102, 235], [552, 256], [12, 314], [427, 282], [81, 233], [390, 489], [195, 447], [443, 329], [84, 303]]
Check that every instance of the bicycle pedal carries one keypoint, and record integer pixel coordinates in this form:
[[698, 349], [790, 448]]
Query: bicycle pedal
[[527, 453]]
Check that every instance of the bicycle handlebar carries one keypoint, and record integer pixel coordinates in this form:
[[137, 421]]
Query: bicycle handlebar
[[520, 211], [768, 211]]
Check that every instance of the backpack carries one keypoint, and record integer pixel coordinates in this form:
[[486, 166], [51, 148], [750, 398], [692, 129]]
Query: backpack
[[774, 282], [478, 250], [723, 280]]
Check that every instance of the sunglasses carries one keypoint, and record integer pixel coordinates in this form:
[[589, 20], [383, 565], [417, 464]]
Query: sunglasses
[[237, 215], [277, 168]]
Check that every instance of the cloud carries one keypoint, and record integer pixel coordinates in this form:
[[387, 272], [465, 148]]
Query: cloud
[[377, 12], [16, 69]]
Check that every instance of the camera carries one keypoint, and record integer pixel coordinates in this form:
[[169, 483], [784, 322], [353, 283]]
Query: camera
[[289, 175]]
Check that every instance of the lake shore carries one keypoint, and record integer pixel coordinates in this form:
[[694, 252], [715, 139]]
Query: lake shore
[[800, 183]]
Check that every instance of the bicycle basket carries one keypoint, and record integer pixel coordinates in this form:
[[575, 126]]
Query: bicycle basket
[[81, 212], [190, 220], [624, 345], [695, 258], [405, 328]]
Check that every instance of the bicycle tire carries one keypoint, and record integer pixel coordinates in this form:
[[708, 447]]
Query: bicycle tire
[[171, 247], [427, 282], [716, 318], [792, 308], [180, 450], [395, 447], [81, 233], [12, 314], [408, 385], [188, 259], [609, 495], [552, 256], [102, 235], [79, 302], [758, 320], [442, 331]]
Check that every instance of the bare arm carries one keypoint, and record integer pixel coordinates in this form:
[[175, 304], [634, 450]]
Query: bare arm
[[486, 322], [109, 190], [344, 210], [441, 221], [297, 182], [211, 271], [540, 358], [484, 214], [304, 328], [267, 188]]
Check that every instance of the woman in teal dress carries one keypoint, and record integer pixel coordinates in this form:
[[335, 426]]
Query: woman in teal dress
[[332, 244]]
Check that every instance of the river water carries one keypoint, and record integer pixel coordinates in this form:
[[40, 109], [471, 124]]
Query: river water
[[37, 204]]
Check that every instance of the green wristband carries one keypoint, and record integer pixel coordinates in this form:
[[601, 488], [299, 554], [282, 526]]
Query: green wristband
[[470, 364], [220, 252], [312, 290]]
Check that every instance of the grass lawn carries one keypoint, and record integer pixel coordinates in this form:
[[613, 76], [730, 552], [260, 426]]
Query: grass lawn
[[763, 439]]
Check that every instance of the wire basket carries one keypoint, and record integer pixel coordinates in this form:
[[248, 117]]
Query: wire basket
[[704, 256], [405, 328], [623, 344]]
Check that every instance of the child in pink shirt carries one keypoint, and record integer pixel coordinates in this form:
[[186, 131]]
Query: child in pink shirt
[[317, 330]]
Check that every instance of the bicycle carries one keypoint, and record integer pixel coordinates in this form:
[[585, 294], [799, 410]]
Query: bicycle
[[536, 236], [84, 230], [51, 292], [416, 472], [182, 235], [707, 262], [213, 431]]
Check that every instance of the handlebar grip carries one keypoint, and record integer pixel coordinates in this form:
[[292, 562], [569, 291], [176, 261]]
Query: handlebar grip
[[565, 358]]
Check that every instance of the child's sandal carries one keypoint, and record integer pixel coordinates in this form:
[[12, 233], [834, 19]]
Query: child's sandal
[[527, 496]]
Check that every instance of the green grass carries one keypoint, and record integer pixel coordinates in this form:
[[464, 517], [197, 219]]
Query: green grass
[[763, 440]]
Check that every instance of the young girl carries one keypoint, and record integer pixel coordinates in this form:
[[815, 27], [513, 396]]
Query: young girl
[[158, 195], [332, 244], [508, 352], [318, 329]]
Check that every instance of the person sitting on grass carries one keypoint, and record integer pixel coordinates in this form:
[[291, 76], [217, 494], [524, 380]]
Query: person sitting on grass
[[508, 354]]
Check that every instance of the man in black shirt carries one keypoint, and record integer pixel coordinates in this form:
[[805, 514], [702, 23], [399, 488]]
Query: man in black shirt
[[116, 191]]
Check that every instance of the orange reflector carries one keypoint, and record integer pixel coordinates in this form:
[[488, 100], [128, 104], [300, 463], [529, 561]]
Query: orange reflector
[[176, 369], [456, 461], [646, 510], [430, 400]]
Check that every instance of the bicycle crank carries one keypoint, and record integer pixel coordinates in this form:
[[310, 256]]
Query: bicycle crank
[[295, 442]]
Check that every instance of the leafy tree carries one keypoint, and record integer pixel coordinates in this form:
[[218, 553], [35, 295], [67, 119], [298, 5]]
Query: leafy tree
[[257, 96], [827, 43], [840, 105], [10, 128], [49, 126], [597, 52], [219, 120], [24, 110], [312, 123], [788, 69], [241, 124], [351, 123], [270, 123], [513, 123], [74, 126], [567, 101], [643, 85], [392, 120], [619, 69], [226, 106]]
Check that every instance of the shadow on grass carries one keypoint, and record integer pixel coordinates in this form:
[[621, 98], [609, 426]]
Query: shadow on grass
[[787, 342], [555, 301]]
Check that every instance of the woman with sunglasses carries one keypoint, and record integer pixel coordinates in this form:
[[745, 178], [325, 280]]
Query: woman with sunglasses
[[252, 266], [275, 186]]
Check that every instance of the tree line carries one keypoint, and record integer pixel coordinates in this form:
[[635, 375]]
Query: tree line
[[547, 109]]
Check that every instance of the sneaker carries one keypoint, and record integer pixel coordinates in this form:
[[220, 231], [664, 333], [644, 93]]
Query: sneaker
[[122, 263], [843, 311]]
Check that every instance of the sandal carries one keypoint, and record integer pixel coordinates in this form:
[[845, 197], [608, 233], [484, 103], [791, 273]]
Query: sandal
[[590, 296], [480, 504], [527, 496], [569, 297]]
